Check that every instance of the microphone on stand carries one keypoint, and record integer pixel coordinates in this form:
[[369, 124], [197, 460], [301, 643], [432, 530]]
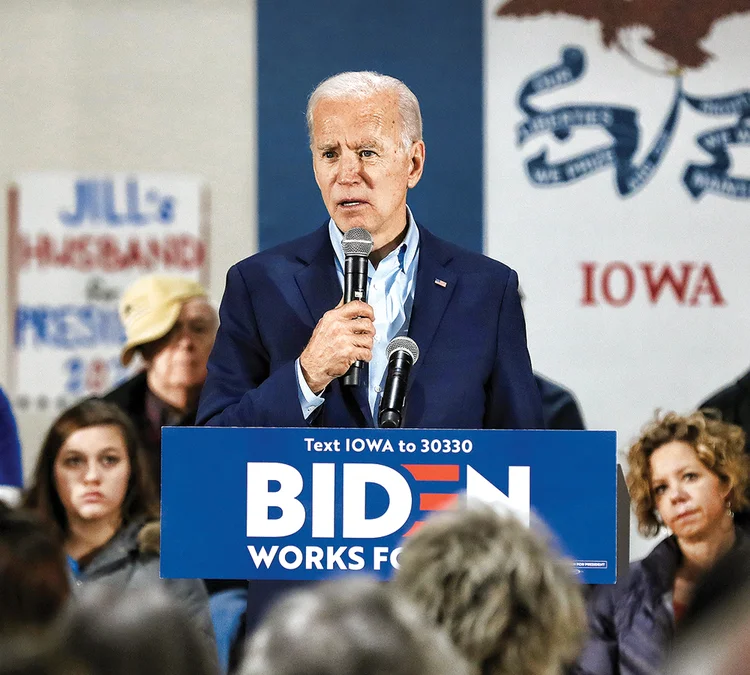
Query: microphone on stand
[[357, 244], [402, 353]]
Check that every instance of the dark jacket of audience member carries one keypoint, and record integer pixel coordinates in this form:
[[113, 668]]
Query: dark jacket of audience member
[[34, 581], [635, 619], [130, 560], [733, 402], [559, 406]]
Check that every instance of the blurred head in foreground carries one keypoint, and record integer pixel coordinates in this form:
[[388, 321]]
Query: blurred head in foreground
[[349, 627], [34, 583], [509, 603], [141, 632]]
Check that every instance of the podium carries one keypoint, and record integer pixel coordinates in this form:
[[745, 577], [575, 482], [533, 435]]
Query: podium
[[312, 504]]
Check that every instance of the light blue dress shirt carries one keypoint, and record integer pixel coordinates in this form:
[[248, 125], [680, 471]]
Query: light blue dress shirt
[[390, 292]]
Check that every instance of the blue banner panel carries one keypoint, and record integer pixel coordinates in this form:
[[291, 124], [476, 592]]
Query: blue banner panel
[[316, 503], [434, 46]]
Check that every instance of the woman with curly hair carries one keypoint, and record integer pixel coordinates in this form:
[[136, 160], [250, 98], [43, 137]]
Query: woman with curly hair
[[688, 473]]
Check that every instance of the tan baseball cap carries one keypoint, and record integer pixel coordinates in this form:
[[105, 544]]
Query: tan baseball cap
[[150, 306]]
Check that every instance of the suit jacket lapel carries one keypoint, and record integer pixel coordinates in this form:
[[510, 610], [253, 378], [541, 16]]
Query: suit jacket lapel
[[321, 290], [435, 285], [317, 281]]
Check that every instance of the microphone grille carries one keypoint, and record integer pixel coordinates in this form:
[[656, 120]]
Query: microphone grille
[[357, 241], [403, 343]]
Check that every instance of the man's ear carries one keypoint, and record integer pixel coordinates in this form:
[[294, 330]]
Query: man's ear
[[416, 167]]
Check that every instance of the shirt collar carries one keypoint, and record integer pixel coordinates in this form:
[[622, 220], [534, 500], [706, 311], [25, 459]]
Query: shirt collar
[[406, 252]]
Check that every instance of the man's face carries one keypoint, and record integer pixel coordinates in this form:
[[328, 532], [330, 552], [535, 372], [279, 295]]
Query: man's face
[[361, 169], [179, 358]]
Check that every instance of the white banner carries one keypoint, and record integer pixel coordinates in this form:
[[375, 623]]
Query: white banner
[[77, 241], [618, 185]]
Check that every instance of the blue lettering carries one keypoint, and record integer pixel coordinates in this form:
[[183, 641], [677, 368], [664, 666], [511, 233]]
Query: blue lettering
[[87, 204], [97, 201], [67, 326], [134, 216]]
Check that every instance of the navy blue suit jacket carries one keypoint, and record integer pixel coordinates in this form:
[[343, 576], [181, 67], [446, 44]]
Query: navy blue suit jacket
[[473, 371]]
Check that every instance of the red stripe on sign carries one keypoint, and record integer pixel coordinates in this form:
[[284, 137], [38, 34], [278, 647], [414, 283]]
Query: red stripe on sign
[[436, 502], [446, 472], [414, 528]]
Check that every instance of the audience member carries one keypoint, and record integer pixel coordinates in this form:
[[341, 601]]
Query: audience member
[[733, 402], [169, 321], [509, 603], [10, 453], [91, 483], [348, 627], [143, 632], [716, 625], [688, 473], [559, 406], [34, 582], [733, 405]]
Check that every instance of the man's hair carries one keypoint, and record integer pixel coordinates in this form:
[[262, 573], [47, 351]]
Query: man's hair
[[34, 583], [349, 627], [509, 603], [43, 497], [720, 446], [364, 84]]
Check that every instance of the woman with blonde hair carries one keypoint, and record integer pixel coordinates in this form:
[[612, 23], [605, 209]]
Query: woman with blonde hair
[[688, 473]]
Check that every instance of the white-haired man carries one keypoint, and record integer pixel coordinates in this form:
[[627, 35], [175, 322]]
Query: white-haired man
[[285, 337]]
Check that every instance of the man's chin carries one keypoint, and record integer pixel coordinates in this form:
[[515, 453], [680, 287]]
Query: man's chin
[[347, 221]]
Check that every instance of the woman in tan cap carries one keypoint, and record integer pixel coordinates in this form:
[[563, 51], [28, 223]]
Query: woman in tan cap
[[169, 321]]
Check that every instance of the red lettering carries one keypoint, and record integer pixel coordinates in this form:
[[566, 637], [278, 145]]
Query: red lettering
[[200, 253], [25, 253], [105, 253], [43, 250], [655, 284], [132, 256], [154, 251], [86, 260], [589, 268], [707, 284], [629, 279]]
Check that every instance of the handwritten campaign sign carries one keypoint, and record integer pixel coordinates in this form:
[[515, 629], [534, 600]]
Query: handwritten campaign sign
[[76, 242]]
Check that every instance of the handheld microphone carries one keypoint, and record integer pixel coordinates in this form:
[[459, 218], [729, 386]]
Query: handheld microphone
[[357, 244], [402, 353]]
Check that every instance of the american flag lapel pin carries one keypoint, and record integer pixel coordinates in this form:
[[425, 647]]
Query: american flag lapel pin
[[441, 283]]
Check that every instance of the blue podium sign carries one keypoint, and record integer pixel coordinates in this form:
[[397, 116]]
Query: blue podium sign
[[252, 503]]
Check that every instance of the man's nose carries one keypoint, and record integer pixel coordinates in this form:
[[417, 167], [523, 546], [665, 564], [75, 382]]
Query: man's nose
[[183, 336], [349, 167]]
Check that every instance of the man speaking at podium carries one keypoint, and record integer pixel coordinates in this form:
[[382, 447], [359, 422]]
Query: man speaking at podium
[[286, 338]]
